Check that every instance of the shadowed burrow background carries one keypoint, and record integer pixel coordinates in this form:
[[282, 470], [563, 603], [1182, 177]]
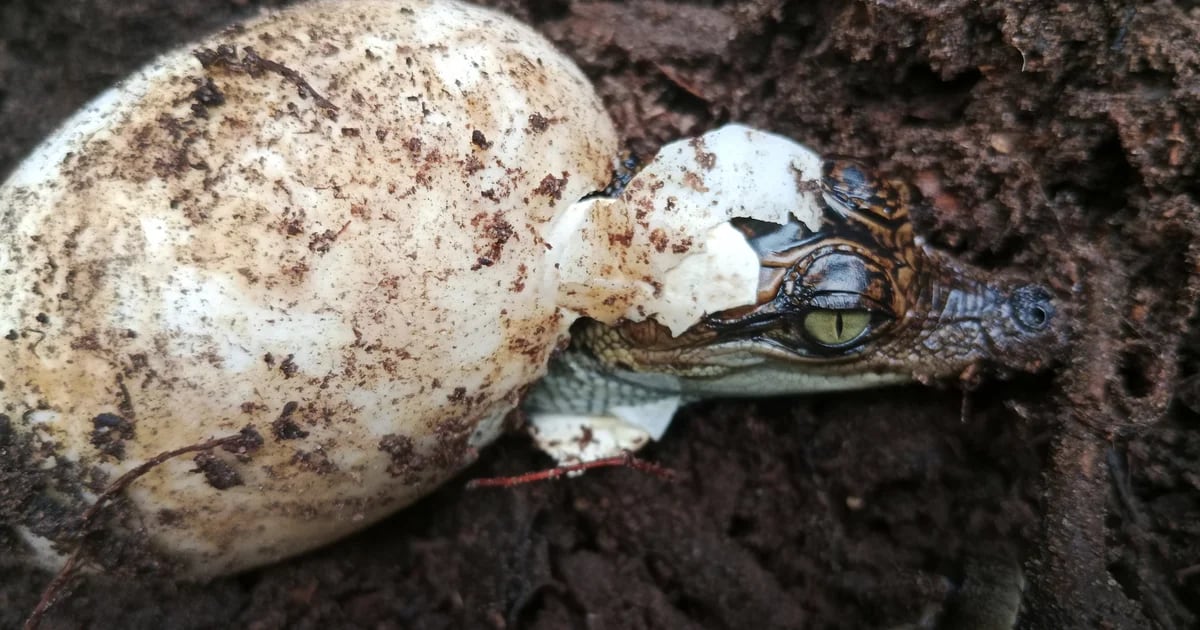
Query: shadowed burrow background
[[1057, 141]]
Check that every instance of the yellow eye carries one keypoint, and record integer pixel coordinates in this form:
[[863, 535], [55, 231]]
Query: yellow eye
[[836, 328]]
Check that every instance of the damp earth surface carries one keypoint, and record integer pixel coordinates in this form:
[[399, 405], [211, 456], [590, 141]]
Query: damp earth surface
[[1055, 141]]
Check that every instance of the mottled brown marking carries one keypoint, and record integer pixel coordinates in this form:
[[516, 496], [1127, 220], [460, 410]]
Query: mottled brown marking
[[284, 427], [138, 361], [621, 238], [248, 441], [480, 140], [170, 140], [321, 242], [642, 208], [518, 283], [315, 461], [706, 159], [471, 165], [225, 58], [289, 367], [87, 342], [206, 95], [248, 274], [169, 518], [217, 472], [401, 450], [493, 232], [552, 186], [694, 181], [452, 438], [109, 433], [292, 222], [659, 239], [539, 123]]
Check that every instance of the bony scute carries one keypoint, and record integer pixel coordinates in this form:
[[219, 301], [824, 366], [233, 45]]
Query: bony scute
[[360, 229]]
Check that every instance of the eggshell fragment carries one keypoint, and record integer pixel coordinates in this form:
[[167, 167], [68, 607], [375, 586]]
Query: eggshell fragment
[[679, 258], [329, 223]]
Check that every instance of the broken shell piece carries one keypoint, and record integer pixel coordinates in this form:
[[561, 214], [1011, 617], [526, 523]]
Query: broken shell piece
[[574, 439], [677, 256]]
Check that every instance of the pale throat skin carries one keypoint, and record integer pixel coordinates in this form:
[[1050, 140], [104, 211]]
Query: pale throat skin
[[860, 303]]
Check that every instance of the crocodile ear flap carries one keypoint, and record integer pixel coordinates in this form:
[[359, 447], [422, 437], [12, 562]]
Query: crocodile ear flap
[[853, 192]]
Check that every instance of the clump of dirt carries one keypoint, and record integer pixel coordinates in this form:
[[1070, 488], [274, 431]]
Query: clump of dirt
[[1052, 140]]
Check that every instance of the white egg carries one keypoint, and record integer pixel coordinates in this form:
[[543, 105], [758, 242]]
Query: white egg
[[329, 223]]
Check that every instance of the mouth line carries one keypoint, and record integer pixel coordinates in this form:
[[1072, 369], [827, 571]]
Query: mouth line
[[751, 351]]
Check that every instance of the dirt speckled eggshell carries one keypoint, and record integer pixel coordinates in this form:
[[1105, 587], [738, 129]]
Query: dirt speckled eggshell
[[332, 230]]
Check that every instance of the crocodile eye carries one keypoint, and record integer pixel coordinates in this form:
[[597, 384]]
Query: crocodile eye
[[836, 328]]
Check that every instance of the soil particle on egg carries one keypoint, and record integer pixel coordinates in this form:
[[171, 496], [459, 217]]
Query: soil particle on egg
[[552, 186], [480, 140], [225, 59], [218, 473], [1056, 140], [110, 433], [284, 427]]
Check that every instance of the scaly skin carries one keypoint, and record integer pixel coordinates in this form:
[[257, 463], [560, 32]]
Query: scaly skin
[[926, 317]]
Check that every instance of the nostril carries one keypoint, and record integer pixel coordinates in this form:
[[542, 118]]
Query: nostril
[[1032, 307], [1036, 317]]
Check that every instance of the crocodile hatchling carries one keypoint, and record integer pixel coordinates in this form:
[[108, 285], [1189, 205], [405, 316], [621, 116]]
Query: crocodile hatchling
[[857, 303]]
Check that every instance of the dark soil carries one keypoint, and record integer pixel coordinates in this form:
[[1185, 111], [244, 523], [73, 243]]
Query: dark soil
[[1056, 140]]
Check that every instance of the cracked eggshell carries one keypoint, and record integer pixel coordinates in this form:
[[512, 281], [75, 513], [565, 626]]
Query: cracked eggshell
[[333, 229], [664, 249]]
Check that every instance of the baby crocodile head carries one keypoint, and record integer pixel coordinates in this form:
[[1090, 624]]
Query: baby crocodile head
[[860, 302]]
